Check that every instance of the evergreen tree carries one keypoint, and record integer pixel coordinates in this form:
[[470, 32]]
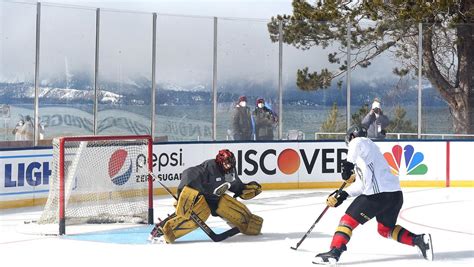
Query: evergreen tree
[[334, 124], [356, 118], [398, 123], [447, 41]]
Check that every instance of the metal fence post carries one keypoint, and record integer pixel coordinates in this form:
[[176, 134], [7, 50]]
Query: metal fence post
[[37, 66], [348, 76], [420, 66], [280, 81], [214, 83], [153, 77], [96, 69]]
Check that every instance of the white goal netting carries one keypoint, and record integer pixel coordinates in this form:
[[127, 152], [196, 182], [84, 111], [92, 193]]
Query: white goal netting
[[99, 180]]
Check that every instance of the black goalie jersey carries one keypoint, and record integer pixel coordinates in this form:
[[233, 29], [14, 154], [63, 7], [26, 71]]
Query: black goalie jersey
[[210, 181]]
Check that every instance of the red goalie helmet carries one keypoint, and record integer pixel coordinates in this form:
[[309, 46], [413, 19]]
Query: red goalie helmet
[[225, 159]]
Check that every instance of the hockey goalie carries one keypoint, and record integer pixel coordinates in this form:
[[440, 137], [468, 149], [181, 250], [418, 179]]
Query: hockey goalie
[[202, 192]]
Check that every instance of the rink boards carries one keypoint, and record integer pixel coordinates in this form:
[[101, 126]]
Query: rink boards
[[25, 174]]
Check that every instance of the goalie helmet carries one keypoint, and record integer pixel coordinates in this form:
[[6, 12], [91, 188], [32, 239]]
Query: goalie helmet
[[355, 131], [225, 159]]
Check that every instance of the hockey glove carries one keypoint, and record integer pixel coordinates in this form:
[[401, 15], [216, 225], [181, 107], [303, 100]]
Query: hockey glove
[[251, 190], [351, 179], [347, 170], [335, 200]]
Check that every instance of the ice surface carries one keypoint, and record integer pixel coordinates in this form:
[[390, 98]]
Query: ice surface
[[446, 213]]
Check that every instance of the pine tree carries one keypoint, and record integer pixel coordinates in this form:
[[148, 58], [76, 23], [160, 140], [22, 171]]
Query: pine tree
[[447, 41], [334, 124], [398, 124]]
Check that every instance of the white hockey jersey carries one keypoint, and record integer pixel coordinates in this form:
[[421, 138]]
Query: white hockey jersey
[[373, 174]]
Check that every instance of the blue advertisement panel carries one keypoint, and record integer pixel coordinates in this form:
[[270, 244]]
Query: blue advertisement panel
[[25, 174]]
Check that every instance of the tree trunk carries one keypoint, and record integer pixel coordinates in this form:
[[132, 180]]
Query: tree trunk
[[459, 96], [466, 75]]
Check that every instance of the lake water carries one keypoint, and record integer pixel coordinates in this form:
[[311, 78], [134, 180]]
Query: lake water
[[190, 123]]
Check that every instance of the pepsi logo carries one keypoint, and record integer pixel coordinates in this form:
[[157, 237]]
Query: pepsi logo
[[120, 169]]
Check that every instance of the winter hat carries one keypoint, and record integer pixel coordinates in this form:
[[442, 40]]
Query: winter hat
[[243, 98], [376, 104], [260, 100]]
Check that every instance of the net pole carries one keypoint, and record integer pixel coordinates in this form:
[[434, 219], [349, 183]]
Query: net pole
[[150, 181], [62, 219]]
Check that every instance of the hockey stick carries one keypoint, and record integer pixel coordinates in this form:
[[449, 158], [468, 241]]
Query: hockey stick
[[215, 237], [317, 220]]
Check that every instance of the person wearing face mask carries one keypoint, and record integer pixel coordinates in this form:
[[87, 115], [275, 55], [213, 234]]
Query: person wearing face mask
[[17, 130], [265, 121], [242, 121], [27, 130], [376, 122]]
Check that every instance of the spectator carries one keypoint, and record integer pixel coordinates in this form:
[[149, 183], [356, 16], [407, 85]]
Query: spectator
[[27, 130], [242, 121], [41, 127], [265, 120], [16, 131], [376, 122]]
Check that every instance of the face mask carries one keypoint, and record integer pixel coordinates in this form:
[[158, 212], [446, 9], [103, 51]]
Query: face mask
[[260, 105], [243, 104]]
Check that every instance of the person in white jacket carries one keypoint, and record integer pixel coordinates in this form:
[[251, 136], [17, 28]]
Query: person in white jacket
[[376, 122], [378, 194], [17, 130]]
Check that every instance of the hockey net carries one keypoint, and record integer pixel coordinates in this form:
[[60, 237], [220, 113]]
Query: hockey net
[[100, 179]]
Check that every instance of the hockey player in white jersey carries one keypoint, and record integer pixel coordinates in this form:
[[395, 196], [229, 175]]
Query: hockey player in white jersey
[[378, 194]]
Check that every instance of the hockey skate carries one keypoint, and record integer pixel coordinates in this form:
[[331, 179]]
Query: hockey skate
[[329, 258], [156, 234], [425, 246]]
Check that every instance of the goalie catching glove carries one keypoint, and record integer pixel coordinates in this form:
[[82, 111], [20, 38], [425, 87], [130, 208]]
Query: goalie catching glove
[[250, 190], [334, 199]]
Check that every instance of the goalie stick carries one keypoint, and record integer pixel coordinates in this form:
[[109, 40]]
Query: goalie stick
[[317, 220], [209, 232]]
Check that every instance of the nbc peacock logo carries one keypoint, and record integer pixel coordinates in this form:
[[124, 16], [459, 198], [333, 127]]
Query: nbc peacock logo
[[413, 162]]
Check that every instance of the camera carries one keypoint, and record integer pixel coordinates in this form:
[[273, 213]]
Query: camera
[[377, 110]]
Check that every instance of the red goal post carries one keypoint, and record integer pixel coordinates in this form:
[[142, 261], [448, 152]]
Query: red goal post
[[100, 179]]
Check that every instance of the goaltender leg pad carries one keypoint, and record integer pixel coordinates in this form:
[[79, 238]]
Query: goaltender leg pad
[[186, 201], [255, 225], [236, 213], [179, 226]]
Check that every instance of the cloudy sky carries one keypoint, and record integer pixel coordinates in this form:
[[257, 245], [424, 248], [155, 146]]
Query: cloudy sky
[[262, 9], [184, 43]]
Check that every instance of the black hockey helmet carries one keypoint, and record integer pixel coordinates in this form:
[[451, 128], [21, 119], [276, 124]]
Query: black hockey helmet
[[225, 159], [355, 131]]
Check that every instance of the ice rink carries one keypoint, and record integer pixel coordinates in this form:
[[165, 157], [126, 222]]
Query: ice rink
[[446, 213]]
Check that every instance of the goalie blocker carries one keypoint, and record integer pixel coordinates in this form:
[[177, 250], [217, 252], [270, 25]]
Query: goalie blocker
[[202, 192]]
